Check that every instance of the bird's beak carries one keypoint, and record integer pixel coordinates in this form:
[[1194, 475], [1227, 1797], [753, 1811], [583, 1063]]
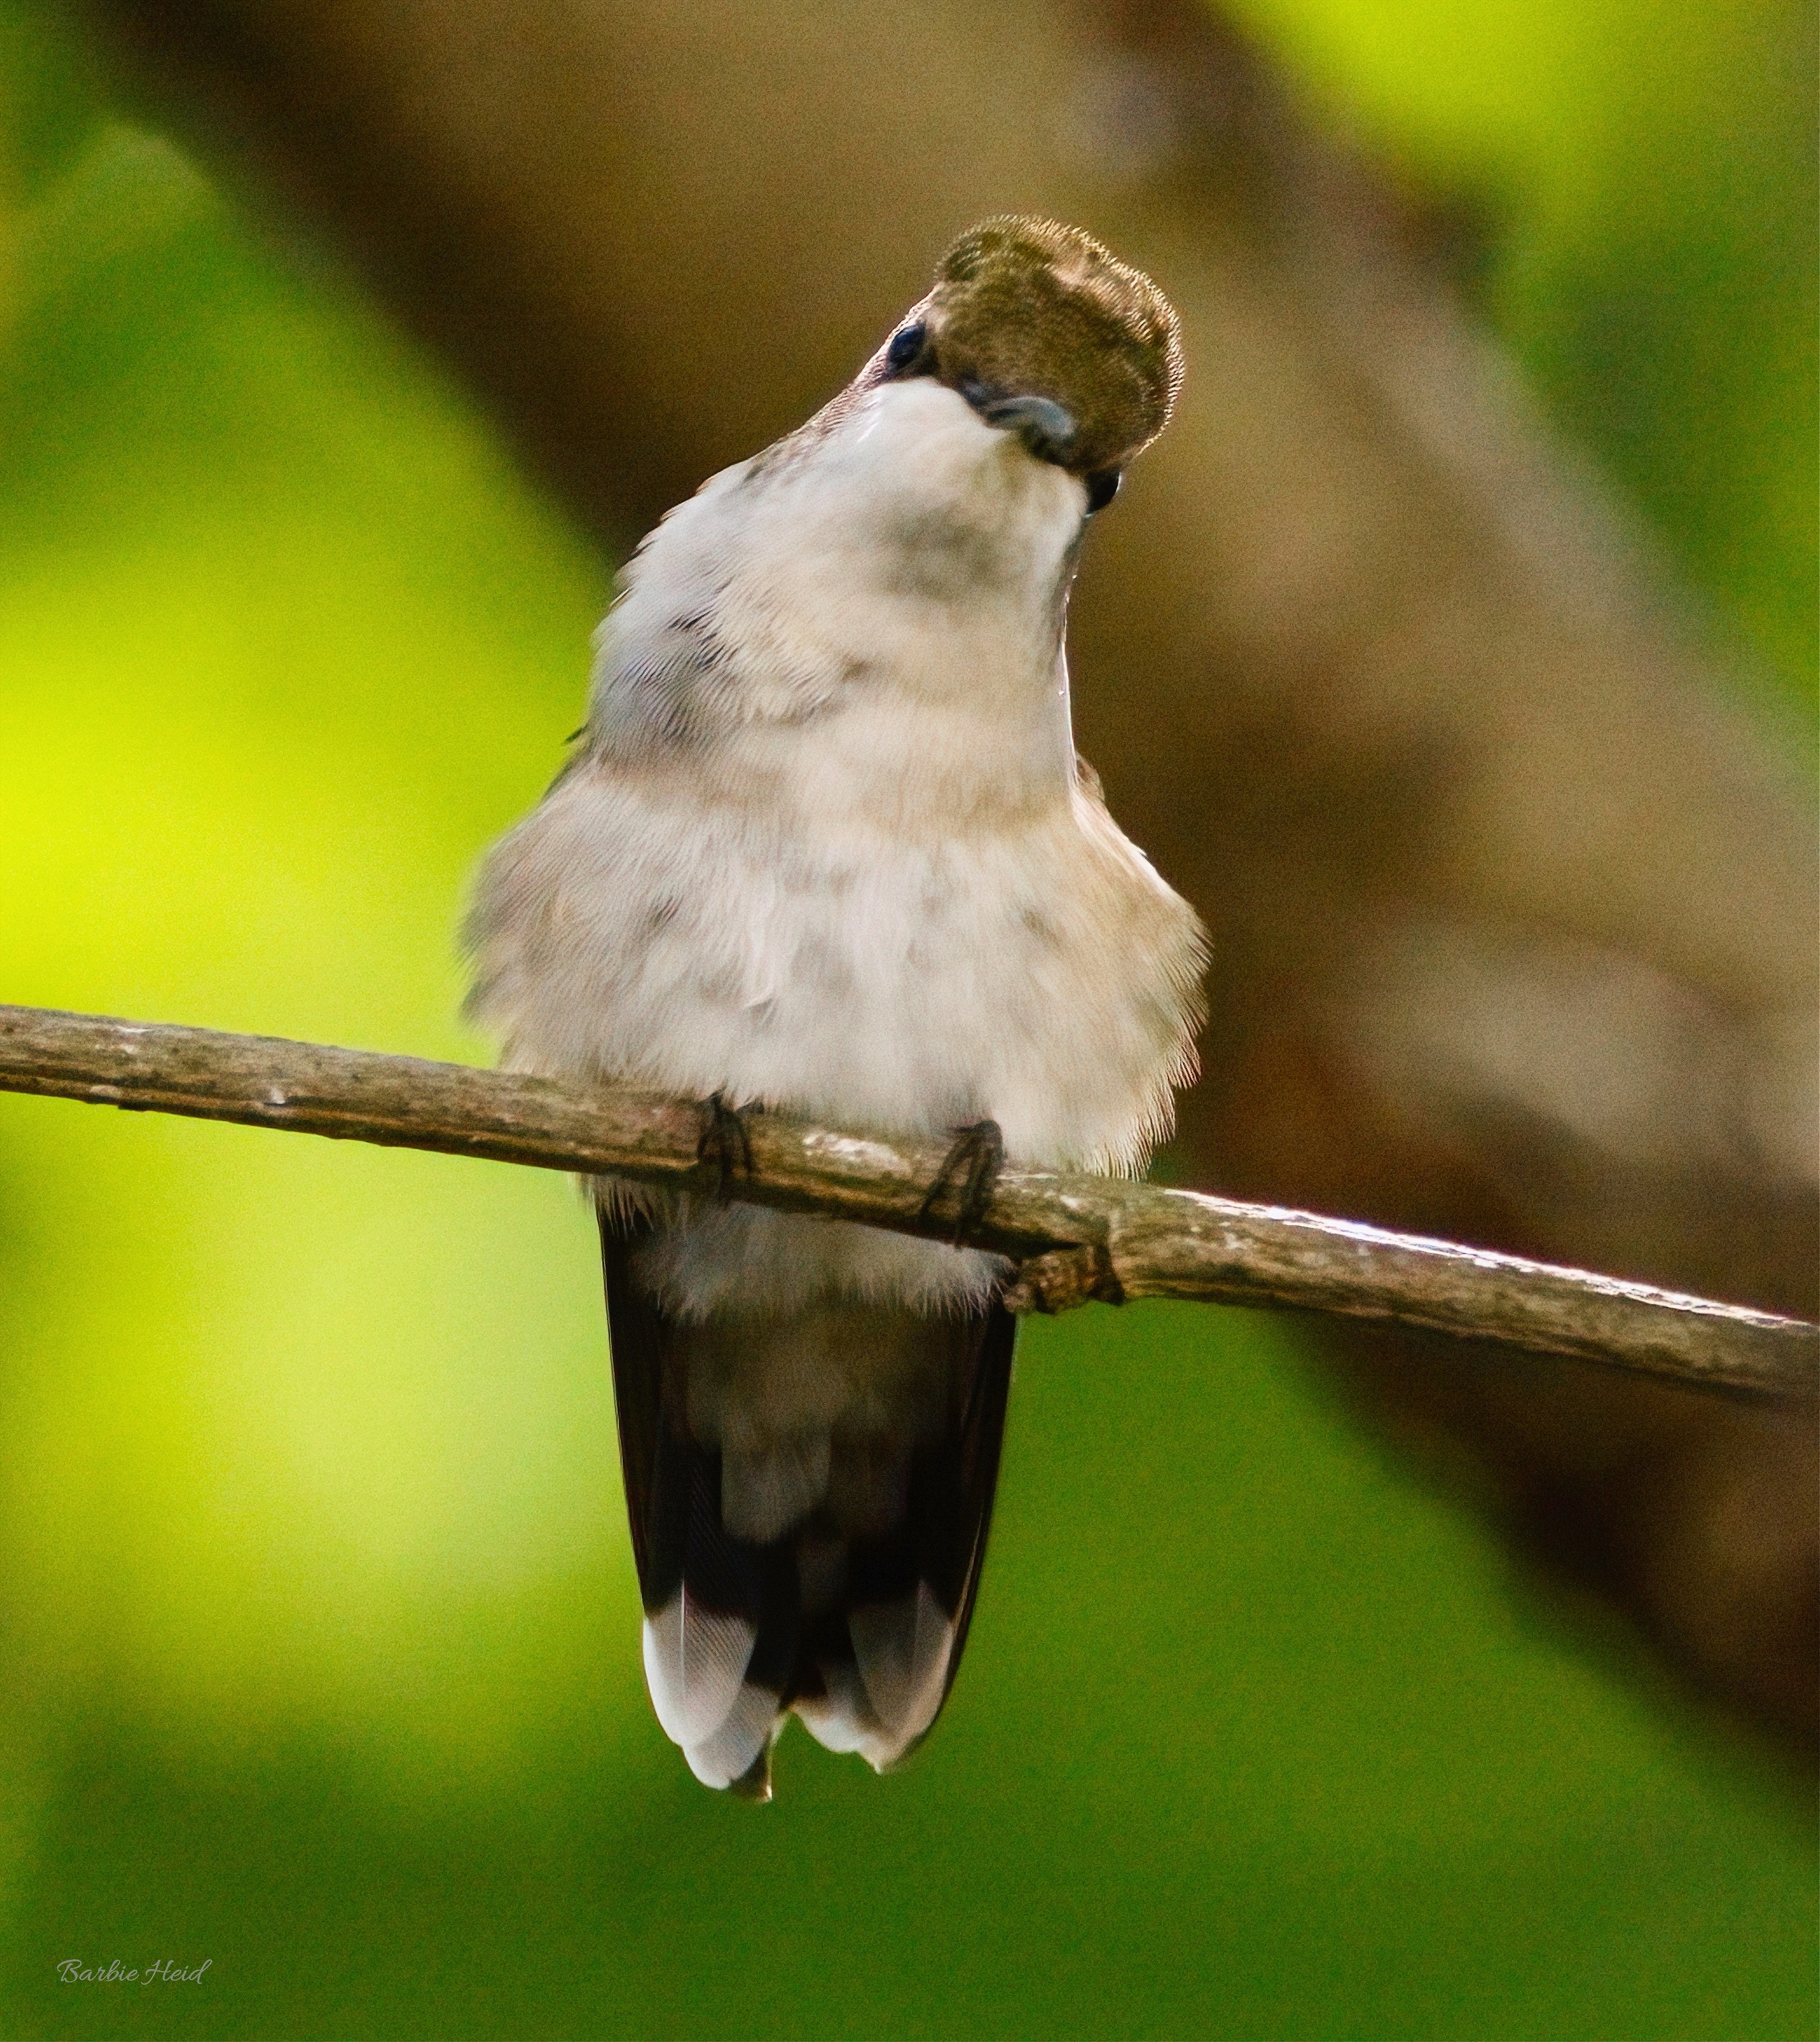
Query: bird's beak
[[1046, 427]]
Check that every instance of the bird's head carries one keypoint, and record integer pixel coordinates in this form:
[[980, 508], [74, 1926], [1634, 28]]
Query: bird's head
[[1047, 335], [914, 542]]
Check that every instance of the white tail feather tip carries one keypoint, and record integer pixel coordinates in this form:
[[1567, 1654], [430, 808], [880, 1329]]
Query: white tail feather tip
[[729, 1752], [903, 1649], [695, 1662]]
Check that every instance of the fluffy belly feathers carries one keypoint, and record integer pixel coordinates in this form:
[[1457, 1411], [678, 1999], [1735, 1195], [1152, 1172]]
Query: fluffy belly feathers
[[1042, 977]]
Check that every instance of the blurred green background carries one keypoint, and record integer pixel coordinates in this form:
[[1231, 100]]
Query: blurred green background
[[319, 1623]]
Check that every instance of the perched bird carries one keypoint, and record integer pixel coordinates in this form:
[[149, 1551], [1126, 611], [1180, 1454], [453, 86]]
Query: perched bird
[[825, 844]]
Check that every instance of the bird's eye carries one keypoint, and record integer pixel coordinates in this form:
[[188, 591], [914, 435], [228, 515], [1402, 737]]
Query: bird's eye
[[1101, 489], [906, 345]]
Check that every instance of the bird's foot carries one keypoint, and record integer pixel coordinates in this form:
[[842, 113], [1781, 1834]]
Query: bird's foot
[[972, 1166], [723, 1145]]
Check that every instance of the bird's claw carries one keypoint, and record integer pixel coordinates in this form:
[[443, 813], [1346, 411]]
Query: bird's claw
[[724, 1144], [973, 1165]]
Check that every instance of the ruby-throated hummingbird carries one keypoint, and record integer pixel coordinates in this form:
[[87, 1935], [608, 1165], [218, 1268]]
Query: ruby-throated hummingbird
[[825, 845]]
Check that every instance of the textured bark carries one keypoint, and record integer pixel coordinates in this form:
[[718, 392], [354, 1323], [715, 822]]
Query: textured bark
[[1077, 1238], [1515, 914]]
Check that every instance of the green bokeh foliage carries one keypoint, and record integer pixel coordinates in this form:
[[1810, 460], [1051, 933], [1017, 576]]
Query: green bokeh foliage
[[319, 1615]]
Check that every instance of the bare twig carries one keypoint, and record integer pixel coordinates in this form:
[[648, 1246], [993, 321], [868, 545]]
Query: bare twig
[[1074, 1237]]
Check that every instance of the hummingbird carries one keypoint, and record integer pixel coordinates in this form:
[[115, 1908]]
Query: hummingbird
[[825, 845]]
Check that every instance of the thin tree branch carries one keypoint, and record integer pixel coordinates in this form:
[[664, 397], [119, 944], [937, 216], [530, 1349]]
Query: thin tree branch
[[1074, 1237]]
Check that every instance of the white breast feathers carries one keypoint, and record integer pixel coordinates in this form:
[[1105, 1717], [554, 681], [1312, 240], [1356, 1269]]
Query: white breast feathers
[[827, 846]]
